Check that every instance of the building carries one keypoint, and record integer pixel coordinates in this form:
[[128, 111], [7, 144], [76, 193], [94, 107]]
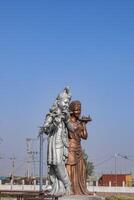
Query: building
[[115, 180]]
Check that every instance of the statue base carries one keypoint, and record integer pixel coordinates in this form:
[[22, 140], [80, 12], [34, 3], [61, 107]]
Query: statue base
[[80, 197]]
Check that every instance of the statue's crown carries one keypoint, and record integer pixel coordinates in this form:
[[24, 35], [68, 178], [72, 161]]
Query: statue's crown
[[65, 94]]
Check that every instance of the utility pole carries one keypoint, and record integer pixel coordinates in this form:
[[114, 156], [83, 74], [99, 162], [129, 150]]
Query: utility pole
[[31, 156]]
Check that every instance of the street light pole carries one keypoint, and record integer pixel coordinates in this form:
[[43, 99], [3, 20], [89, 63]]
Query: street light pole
[[41, 161], [115, 169], [13, 167], [116, 155]]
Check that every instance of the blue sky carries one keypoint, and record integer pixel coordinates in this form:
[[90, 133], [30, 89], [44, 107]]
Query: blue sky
[[88, 45]]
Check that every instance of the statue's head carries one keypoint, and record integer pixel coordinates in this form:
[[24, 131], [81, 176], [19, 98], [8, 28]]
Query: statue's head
[[75, 108], [63, 99]]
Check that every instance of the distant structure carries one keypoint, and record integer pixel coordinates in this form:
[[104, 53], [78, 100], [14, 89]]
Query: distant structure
[[115, 180]]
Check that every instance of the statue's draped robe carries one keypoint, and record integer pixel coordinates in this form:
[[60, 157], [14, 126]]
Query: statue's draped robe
[[57, 141], [75, 164], [57, 153]]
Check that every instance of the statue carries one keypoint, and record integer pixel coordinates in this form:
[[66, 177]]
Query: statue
[[75, 164], [56, 126]]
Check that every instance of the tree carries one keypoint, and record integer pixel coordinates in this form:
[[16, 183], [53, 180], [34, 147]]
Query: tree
[[89, 164]]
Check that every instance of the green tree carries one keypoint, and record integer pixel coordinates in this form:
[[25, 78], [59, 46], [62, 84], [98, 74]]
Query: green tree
[[89, 164]]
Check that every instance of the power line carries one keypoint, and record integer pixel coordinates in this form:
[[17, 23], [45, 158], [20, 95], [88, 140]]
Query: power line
[[104, 161]]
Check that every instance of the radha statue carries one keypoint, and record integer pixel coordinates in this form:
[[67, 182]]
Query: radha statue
[[75, 164]]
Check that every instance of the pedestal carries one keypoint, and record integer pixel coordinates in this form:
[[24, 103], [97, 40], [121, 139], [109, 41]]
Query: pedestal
[[80, 197]]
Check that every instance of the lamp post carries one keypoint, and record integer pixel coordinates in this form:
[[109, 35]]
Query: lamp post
[[13, 167], [41, 160], [116, 155], [116, 169]]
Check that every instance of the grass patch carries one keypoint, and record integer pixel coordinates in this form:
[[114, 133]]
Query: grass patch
[[119, 198]]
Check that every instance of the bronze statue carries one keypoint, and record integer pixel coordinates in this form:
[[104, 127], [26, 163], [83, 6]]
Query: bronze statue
[[75, 164]]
